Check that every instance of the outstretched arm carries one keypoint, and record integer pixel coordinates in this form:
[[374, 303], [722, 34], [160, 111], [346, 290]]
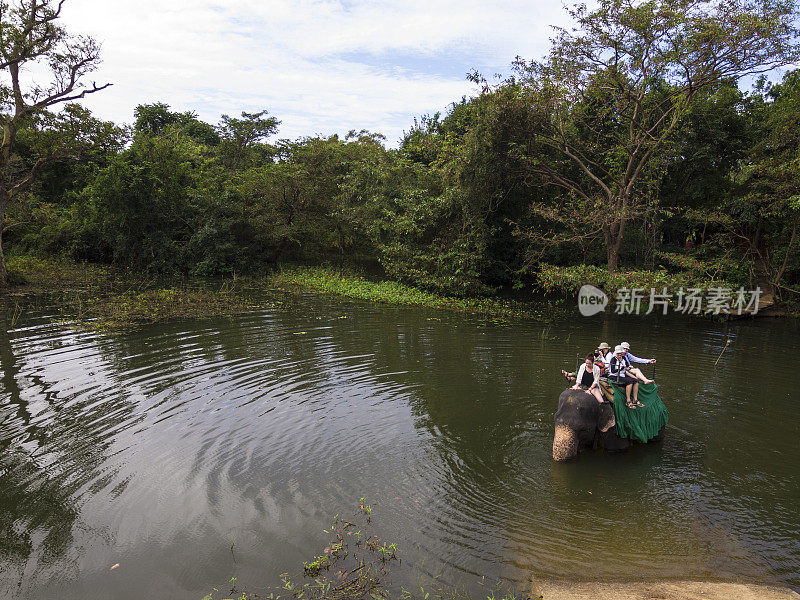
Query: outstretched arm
[[636, 359]]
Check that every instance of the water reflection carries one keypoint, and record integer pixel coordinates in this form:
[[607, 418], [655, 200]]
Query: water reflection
[[48, 452], [196, 451]]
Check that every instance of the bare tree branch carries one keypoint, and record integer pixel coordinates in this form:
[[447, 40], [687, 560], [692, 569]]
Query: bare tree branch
[[29, 36]]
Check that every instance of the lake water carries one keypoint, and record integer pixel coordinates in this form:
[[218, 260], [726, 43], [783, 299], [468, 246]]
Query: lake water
[[160, 449]]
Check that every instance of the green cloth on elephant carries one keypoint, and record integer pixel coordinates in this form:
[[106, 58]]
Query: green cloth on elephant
[[640, 424]]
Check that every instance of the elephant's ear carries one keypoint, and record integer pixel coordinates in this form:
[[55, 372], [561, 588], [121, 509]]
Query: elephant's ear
[[606, 420]]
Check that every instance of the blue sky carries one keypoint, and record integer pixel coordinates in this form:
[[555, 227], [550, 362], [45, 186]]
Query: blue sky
[[321, 67]]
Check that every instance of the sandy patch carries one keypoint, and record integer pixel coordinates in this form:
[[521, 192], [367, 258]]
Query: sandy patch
[[658, 590]]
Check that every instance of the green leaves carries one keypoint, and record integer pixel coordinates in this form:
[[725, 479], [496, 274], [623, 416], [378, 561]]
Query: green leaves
[[154, 119], [612, 97]]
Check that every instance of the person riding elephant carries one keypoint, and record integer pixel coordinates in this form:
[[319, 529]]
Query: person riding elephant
[[582, 422], [630, 359], [618, 372], [588, 378]]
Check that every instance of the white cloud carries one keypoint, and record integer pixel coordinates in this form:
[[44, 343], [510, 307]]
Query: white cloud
[[319, 66]]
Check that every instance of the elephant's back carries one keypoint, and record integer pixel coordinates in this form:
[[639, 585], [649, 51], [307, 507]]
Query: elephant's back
[[644, 423]]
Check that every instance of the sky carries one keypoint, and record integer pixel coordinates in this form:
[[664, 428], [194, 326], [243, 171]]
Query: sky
[[320, 66]]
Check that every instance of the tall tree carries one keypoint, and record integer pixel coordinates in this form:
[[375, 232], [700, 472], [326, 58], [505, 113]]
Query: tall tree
[[31, 38], [239, 136], [763, 218], [614, 89], [153, 119]]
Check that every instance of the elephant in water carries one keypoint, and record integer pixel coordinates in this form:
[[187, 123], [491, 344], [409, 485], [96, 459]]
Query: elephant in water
[[582, 422]]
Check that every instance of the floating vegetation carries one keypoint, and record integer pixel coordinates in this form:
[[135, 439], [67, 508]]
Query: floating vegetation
[[352, 285], [132, 308], [354, 565]]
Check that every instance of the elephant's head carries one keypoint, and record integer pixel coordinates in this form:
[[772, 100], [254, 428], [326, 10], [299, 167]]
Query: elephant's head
[[578, 420]]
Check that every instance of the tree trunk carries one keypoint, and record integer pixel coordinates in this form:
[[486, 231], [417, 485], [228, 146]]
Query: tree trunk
[[613, 237], [617, 245], [757, 236], [652, 243], [608, 239], [3, 270], [613, 258], [613, 233], [4, 199], [782, 268]]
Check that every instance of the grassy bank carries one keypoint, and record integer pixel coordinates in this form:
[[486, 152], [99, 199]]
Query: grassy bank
[[694, 274], [569, 280], [36, 274], [352, 285], [104, 298]]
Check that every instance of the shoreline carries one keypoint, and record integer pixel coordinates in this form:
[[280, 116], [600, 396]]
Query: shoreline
[[106, 299], [659, 590], [103, 298]]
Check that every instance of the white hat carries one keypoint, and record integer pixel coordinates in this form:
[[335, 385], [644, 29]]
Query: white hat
[[625, 345], [618, 349]]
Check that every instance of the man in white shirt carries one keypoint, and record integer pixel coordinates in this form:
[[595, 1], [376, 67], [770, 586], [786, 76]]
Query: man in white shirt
[[619, 374], [630, 358]]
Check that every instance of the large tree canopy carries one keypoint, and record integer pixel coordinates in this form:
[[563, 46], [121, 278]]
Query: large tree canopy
[[614, 89], [32, 39], [633, 142]]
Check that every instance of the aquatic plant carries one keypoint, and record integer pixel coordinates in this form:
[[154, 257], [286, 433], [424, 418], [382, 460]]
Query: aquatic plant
[[354, 565], [353, 285]]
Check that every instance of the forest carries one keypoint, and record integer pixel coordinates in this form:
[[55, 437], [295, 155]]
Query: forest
[[655, 138]]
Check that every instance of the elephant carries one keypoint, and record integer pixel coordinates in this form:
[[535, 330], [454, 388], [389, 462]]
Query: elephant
[[582, 422]]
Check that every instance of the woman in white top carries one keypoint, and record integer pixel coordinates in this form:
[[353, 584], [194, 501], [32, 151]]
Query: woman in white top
[[588, 379]]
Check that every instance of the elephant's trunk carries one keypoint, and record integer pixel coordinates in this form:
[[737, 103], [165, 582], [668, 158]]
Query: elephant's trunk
[[565, 443]]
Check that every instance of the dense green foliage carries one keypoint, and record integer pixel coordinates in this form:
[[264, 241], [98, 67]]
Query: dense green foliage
[[353, 285], [469, 202]]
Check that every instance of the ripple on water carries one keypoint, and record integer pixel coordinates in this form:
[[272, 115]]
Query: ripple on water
[[162, 448]]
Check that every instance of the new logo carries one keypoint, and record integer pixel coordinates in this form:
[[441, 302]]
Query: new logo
[[591, 300]]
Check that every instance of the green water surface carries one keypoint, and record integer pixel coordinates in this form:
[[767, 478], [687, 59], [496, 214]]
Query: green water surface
[[160, 449]]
